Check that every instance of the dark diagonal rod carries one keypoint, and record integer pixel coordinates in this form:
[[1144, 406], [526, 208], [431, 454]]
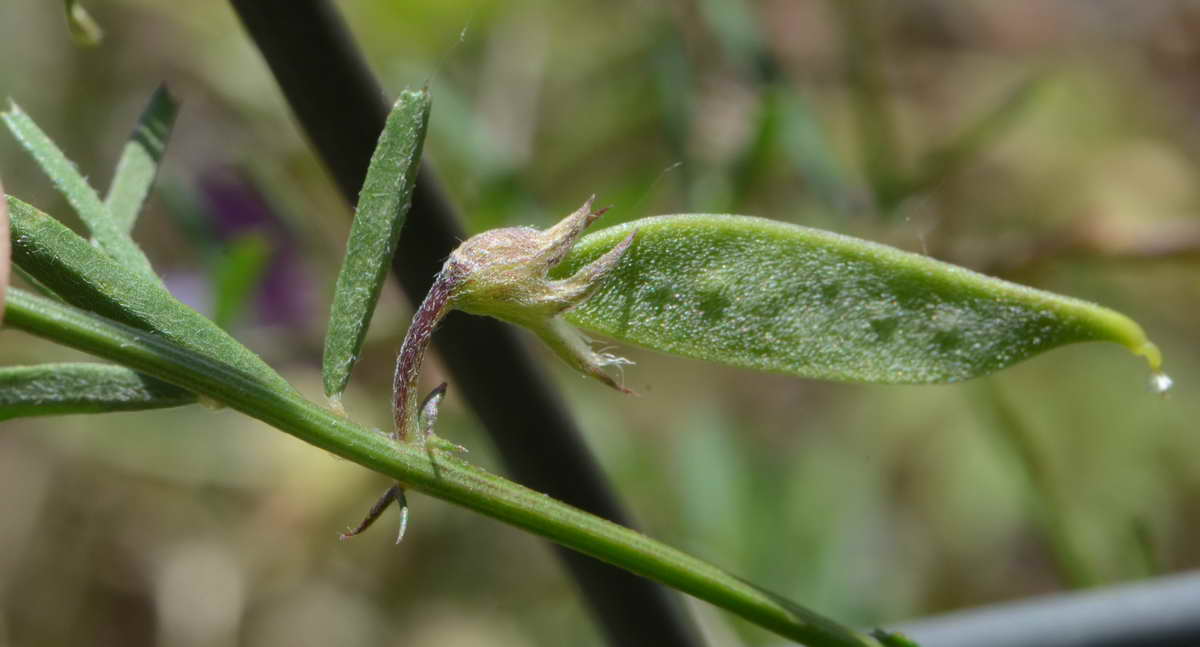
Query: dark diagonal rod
[[340, 106]]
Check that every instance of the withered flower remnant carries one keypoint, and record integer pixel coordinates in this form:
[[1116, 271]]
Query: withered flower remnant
[[502, 273]]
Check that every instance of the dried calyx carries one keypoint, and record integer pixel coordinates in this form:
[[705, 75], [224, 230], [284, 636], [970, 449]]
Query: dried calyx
[[502, 273]]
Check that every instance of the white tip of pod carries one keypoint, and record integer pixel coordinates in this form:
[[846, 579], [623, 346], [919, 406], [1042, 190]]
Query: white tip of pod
[[1160, 382]]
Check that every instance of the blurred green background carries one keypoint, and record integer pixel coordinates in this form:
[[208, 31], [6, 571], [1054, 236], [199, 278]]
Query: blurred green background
[[1057, 144]]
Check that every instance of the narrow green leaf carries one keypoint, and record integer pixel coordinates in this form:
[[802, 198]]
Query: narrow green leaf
[[82, 197], [382, 207], [56, 389], [4, 247], [84, 29], [235, 276], [86, 278], [139, 161], [783, 298]]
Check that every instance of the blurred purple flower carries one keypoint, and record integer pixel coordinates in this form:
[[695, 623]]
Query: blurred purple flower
[[234, 207]]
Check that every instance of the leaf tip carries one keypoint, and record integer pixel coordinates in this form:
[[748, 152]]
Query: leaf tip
[[163, 96], [336, 365], [1160, 382], [409, 95]]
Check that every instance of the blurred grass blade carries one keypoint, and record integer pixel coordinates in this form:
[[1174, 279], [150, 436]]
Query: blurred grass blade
[[783, 298], [784, 119], [754, 160], [973, 140], [79, 193], [788, 124], [84, 29], [56, 389], [1048, 503], [878, 136], [1146, 553], [382, 207], [139, 161], [806, 144], [674, 85], [734, 24], [4, 248], [86, 278], [236, 275]]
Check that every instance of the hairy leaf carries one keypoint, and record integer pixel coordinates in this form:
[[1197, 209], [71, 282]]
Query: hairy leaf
[[82, 197], [84, 387], [139, 160], [777, 297], [382, 207], [86, 278]]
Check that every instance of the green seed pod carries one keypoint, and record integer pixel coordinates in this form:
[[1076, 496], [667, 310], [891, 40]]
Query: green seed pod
[[787, 299]]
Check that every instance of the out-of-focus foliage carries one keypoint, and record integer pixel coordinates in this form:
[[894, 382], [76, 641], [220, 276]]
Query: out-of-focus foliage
[[83, 27], [869, 503], [4, 246]]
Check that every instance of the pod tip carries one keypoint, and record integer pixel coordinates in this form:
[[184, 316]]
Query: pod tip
[[1150, 351]]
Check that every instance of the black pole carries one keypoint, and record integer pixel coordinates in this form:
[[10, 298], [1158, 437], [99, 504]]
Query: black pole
[[341, 107]]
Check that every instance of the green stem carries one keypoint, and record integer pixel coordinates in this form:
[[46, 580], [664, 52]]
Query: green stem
[[453, 480]]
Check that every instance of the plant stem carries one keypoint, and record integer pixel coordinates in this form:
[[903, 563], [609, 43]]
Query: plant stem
[[452, 480], [339, 103], [405, 396]]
